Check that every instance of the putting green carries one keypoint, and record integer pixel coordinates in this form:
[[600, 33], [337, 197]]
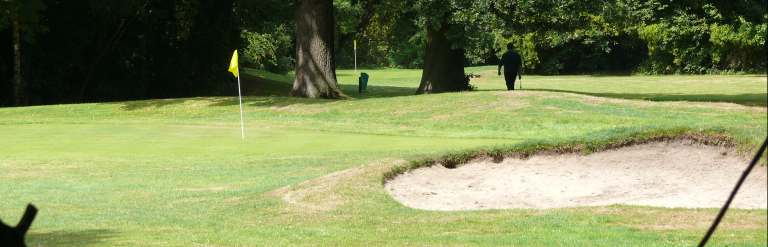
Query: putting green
[[133, 139]]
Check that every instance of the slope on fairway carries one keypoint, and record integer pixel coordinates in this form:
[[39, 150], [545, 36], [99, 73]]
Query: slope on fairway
[[168, 139]]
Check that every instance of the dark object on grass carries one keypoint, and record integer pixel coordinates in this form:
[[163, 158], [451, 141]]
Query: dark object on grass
[[14, 236], [513, 66], [733, 194], [362, 82]]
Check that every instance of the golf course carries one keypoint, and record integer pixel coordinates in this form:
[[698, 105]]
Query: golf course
[[312, 172]]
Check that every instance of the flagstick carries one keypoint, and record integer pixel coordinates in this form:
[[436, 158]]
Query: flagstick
[[355, 58], [242, 128]]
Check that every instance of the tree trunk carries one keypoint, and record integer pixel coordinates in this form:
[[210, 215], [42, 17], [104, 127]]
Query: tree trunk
[[19, 95], [443, 66], [315, 64]]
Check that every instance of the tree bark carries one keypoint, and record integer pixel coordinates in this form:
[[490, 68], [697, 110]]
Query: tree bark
[[443, 66], [315, 63], [19, 93]]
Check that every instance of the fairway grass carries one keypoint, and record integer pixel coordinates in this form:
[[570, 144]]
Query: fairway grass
[[175, 172]]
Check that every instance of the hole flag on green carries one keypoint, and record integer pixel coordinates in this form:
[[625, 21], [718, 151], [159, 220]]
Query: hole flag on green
[[233, 64]]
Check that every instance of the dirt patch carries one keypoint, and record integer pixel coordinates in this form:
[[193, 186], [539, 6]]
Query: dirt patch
[[319, 194], [300, 109], [517, 93], [505, 105], [27, 173], [595, 101], [724, 106], [328, 192], [445, 117], [666, 219], [206, 189], [671, 174]]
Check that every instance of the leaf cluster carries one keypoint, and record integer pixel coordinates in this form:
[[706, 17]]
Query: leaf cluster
[[26, 13]]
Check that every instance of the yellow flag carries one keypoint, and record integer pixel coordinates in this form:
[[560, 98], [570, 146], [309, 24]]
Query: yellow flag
[[355, 44], [233, 64]]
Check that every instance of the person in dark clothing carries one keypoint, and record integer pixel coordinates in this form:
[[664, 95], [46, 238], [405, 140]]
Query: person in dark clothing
[[513, 66]]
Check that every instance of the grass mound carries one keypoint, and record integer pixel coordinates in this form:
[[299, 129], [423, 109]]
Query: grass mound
[[262, 83], [588, 143]]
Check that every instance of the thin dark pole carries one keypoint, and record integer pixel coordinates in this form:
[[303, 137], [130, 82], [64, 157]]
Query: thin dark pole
[[733, 194]]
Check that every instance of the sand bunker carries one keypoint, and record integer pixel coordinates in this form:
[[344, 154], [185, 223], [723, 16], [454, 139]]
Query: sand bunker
[[664, 174]]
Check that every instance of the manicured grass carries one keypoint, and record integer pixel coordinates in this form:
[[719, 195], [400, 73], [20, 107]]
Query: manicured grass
[[745, 90], [173, 140], [174, 172]]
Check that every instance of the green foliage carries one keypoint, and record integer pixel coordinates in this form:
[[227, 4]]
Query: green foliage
[[653, 37], [269, 51], [385, 32], [679, 45], [27, 13], [524, 44], [267, 30], [346, 16], [741, 49], [471, 25], [696, 44]]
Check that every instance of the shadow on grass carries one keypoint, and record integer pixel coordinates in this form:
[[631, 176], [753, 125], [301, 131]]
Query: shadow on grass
[[253, 85], [275, 93], [259, 86], [137, 105], [747, 99], [374, 91], [283, 100], [157, 103], [69, 238], [272, 91]]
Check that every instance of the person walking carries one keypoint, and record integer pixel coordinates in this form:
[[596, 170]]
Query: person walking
[[513, 66]]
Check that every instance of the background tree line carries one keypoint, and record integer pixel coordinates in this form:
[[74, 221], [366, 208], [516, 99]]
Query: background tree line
[[569, 36], [88, 51], [95, 51]]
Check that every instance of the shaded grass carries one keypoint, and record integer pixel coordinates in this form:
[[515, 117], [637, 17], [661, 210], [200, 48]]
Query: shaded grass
[[174, 172], [261, 83], [71, 238], [747, 90]]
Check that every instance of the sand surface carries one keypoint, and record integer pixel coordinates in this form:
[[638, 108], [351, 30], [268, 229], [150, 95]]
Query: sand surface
[[664, 174]]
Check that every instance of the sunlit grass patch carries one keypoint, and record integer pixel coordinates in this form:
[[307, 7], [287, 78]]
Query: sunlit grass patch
[[175, 172]]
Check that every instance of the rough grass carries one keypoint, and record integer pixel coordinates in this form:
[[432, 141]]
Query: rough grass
[[174, 172]]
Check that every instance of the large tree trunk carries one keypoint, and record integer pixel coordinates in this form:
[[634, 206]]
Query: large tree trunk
[[443, 66], [19, 95], [315, 64]]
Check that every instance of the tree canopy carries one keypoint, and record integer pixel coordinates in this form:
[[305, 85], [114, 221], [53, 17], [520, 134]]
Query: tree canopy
[[88, 51]]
